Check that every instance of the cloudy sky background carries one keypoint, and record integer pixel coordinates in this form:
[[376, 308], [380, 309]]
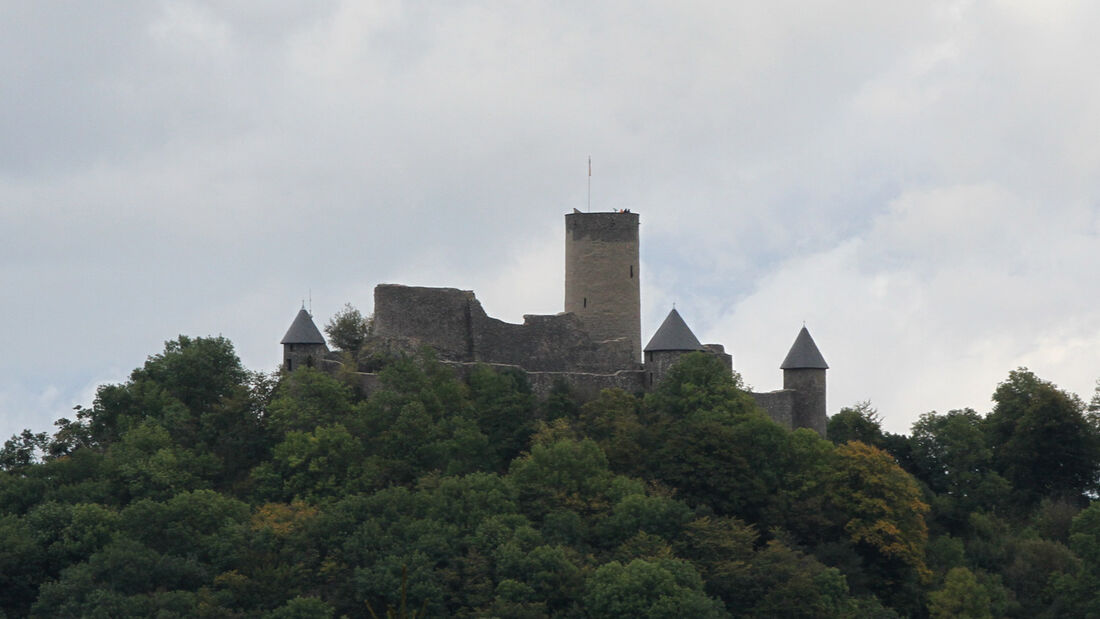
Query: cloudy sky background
[[917, 181]]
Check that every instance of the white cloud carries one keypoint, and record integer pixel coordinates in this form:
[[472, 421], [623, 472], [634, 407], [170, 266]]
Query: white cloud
[[944, 294], [916, 180]]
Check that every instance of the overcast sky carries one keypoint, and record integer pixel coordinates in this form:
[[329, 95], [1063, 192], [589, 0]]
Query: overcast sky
[[918, 182]]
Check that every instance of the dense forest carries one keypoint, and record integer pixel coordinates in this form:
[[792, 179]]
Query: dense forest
[[197, 488]]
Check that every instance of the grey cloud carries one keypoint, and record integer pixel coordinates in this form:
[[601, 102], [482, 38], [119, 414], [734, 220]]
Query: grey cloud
[[199, 167]]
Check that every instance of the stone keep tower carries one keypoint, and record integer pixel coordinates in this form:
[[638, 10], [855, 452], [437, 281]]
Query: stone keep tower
[[804, 373], [601, 275]]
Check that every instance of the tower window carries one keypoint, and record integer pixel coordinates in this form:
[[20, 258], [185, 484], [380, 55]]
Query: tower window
[[289, 365], [632, 271], [585, 303]]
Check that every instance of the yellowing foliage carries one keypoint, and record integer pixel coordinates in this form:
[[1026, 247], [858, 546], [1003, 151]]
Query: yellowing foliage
[[882, 503], [282, 519]]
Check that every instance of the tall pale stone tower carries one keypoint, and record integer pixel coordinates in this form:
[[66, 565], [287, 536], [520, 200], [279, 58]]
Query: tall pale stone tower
[[601, 275]]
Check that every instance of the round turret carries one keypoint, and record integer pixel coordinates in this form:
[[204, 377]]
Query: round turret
[[804, 374], [672, 340], [303, 344]]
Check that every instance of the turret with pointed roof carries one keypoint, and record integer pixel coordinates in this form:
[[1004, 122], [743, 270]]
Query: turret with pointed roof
[[673, 334], [804, 354], [672, 340], [804, 373], [303, 343]]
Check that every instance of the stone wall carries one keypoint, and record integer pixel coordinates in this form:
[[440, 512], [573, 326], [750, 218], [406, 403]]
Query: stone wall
[[779, 405], [602, 275], [809, 402], [409, 317], [303, 355], [454, 324]]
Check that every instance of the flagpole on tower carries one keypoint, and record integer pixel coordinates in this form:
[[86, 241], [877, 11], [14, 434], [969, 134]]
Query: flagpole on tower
[[590, 183]]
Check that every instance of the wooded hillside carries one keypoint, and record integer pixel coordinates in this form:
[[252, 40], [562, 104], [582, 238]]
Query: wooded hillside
[[198, 488]]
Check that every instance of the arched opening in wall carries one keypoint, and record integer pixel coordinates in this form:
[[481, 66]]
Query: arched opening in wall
[[289, 365], [585, 303], [632, 271], [309, 361]]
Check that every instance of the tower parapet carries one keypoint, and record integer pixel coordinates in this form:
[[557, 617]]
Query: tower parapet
[[602, 275]]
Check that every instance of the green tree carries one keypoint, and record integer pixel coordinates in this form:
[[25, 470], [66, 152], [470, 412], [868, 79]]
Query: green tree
[[879, 509], [1034, 575], [700, 382], [313, 466], [950, 452], [23, 565], [146, 463], [197, 371], [666, 589], [1041, 440], [23, 450], [570, 475], [612, 420], [856, 423], [303, 608], [782, 582], [307, 398], [1084, 541], [124, 579], [348, 329], [961, 596], [503, 407]]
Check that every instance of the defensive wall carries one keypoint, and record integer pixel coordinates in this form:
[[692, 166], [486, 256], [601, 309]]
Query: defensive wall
[[453, 323], [595, 344]]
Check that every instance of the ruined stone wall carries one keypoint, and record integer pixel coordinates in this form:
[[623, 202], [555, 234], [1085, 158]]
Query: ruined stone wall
[[602, 275], [719, 351], [410, 317], [454, 324], [779, 405]]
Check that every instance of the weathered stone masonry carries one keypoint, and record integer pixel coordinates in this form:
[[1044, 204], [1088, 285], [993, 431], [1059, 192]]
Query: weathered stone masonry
[[594, 344]]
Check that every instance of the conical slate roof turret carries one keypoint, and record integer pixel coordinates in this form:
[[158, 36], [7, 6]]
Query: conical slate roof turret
[[804, 354], [673, 334], [303, 331]]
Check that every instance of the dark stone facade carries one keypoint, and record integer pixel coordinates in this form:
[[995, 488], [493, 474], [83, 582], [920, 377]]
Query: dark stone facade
[[303, 355], [453, 323], [808, 387]]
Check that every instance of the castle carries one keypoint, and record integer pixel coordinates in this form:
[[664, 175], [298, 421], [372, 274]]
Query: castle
[[594, 344]]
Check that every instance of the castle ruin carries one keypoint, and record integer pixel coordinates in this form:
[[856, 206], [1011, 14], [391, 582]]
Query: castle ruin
[[594, 344]]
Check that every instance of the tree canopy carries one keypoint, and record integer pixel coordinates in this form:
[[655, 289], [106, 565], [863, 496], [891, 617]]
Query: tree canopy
[[197, 488]]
